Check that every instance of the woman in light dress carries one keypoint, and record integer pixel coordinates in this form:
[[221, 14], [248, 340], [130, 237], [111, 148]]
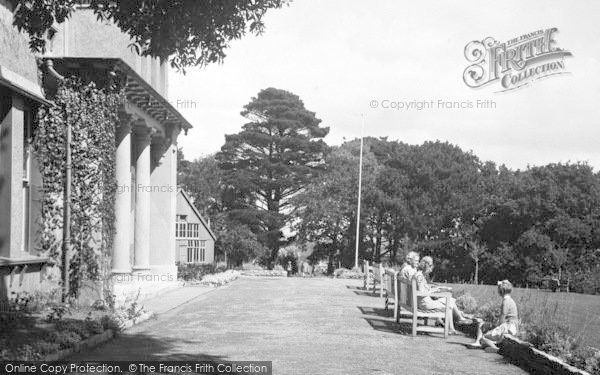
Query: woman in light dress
[[428, 303]]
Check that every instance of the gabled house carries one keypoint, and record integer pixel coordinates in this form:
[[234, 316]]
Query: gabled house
[[195, 239]]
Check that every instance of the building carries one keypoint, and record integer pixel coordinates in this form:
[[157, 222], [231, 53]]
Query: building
[[195, 240], [146, 157]]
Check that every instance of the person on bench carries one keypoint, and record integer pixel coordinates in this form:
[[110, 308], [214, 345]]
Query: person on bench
[[409, 268], [425, 303]]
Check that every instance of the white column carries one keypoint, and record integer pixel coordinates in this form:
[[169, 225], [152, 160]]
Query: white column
[[120, 259], [164, 205], [142, 199], [11, 179]]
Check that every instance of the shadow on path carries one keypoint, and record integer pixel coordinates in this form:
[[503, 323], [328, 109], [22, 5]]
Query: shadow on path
[[367, 294], [386, 322], [389, 326], [147, 347], [354, 287], [376, 311]]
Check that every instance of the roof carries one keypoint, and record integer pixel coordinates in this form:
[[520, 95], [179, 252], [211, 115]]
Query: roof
[[137, 89], [189, 201], [22, 86]]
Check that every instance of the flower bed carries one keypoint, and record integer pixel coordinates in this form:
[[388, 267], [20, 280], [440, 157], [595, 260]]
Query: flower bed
[[535, 360], [37, 327], [219, 279], [270, 273], [33, 338]]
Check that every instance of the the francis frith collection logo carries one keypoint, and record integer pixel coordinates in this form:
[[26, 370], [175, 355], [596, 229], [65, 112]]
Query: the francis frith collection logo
[[515, 63]]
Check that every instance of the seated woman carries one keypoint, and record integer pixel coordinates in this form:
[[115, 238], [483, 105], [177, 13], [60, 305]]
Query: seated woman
[[509, 321], [409, 268], [428, 303]]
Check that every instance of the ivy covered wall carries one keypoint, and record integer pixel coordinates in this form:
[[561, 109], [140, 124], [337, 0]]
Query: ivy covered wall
[[93, 115]]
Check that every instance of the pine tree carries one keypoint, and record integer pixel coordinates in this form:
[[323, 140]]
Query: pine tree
[[274, 157]]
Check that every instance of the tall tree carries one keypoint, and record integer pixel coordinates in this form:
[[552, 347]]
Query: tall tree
[[190, 32], [326, 209], [203, 181], [275, 156]]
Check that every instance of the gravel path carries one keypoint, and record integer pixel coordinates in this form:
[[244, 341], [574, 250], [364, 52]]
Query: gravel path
[[305, 326]]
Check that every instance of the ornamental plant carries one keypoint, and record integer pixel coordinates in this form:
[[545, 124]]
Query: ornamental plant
[[92, 113]]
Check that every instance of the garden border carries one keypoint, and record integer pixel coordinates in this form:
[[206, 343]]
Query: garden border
[[534, 360], [523, 354], [95, 340], [87, 344]]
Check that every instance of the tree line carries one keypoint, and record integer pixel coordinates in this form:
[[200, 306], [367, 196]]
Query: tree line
[[481, 222]]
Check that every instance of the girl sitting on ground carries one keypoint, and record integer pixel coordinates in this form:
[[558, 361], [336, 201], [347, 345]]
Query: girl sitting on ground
[[509, 321], [424, 268]]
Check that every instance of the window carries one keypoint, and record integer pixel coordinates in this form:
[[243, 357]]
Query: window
[[183, 229], [180, 226], [193, 251], [193, 230], [202, 251]]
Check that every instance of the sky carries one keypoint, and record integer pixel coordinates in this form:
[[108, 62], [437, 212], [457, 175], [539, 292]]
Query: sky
[[348, 59]]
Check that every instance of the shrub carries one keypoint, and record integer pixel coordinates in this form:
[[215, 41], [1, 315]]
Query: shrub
[[94, 326], [466, 303], [110, 322], [320, 268], [344, 273], [551, 338], [45, 347], [194, 271], [586, 282], [490, 313], [40, 300], [57, 312], [252, 267], [221, 267], [587, 359], [77, 326], [28, 352], [64, 339], [16, 312]]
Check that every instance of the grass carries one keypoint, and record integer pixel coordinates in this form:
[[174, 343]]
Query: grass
[[579, 312]]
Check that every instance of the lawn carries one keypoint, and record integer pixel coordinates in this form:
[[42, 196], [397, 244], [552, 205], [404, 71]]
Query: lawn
[[580, 312]]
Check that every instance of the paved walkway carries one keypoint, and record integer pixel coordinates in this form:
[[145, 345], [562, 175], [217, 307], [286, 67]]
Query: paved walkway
[[305, 326], [175, 298]]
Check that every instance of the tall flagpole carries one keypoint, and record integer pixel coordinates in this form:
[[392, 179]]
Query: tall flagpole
[[359, 189]]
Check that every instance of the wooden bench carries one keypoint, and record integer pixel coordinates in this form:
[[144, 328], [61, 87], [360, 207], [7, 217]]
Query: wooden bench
[[390, 277], [378, 273], [406, 295], [373, 276], [368, 272]]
